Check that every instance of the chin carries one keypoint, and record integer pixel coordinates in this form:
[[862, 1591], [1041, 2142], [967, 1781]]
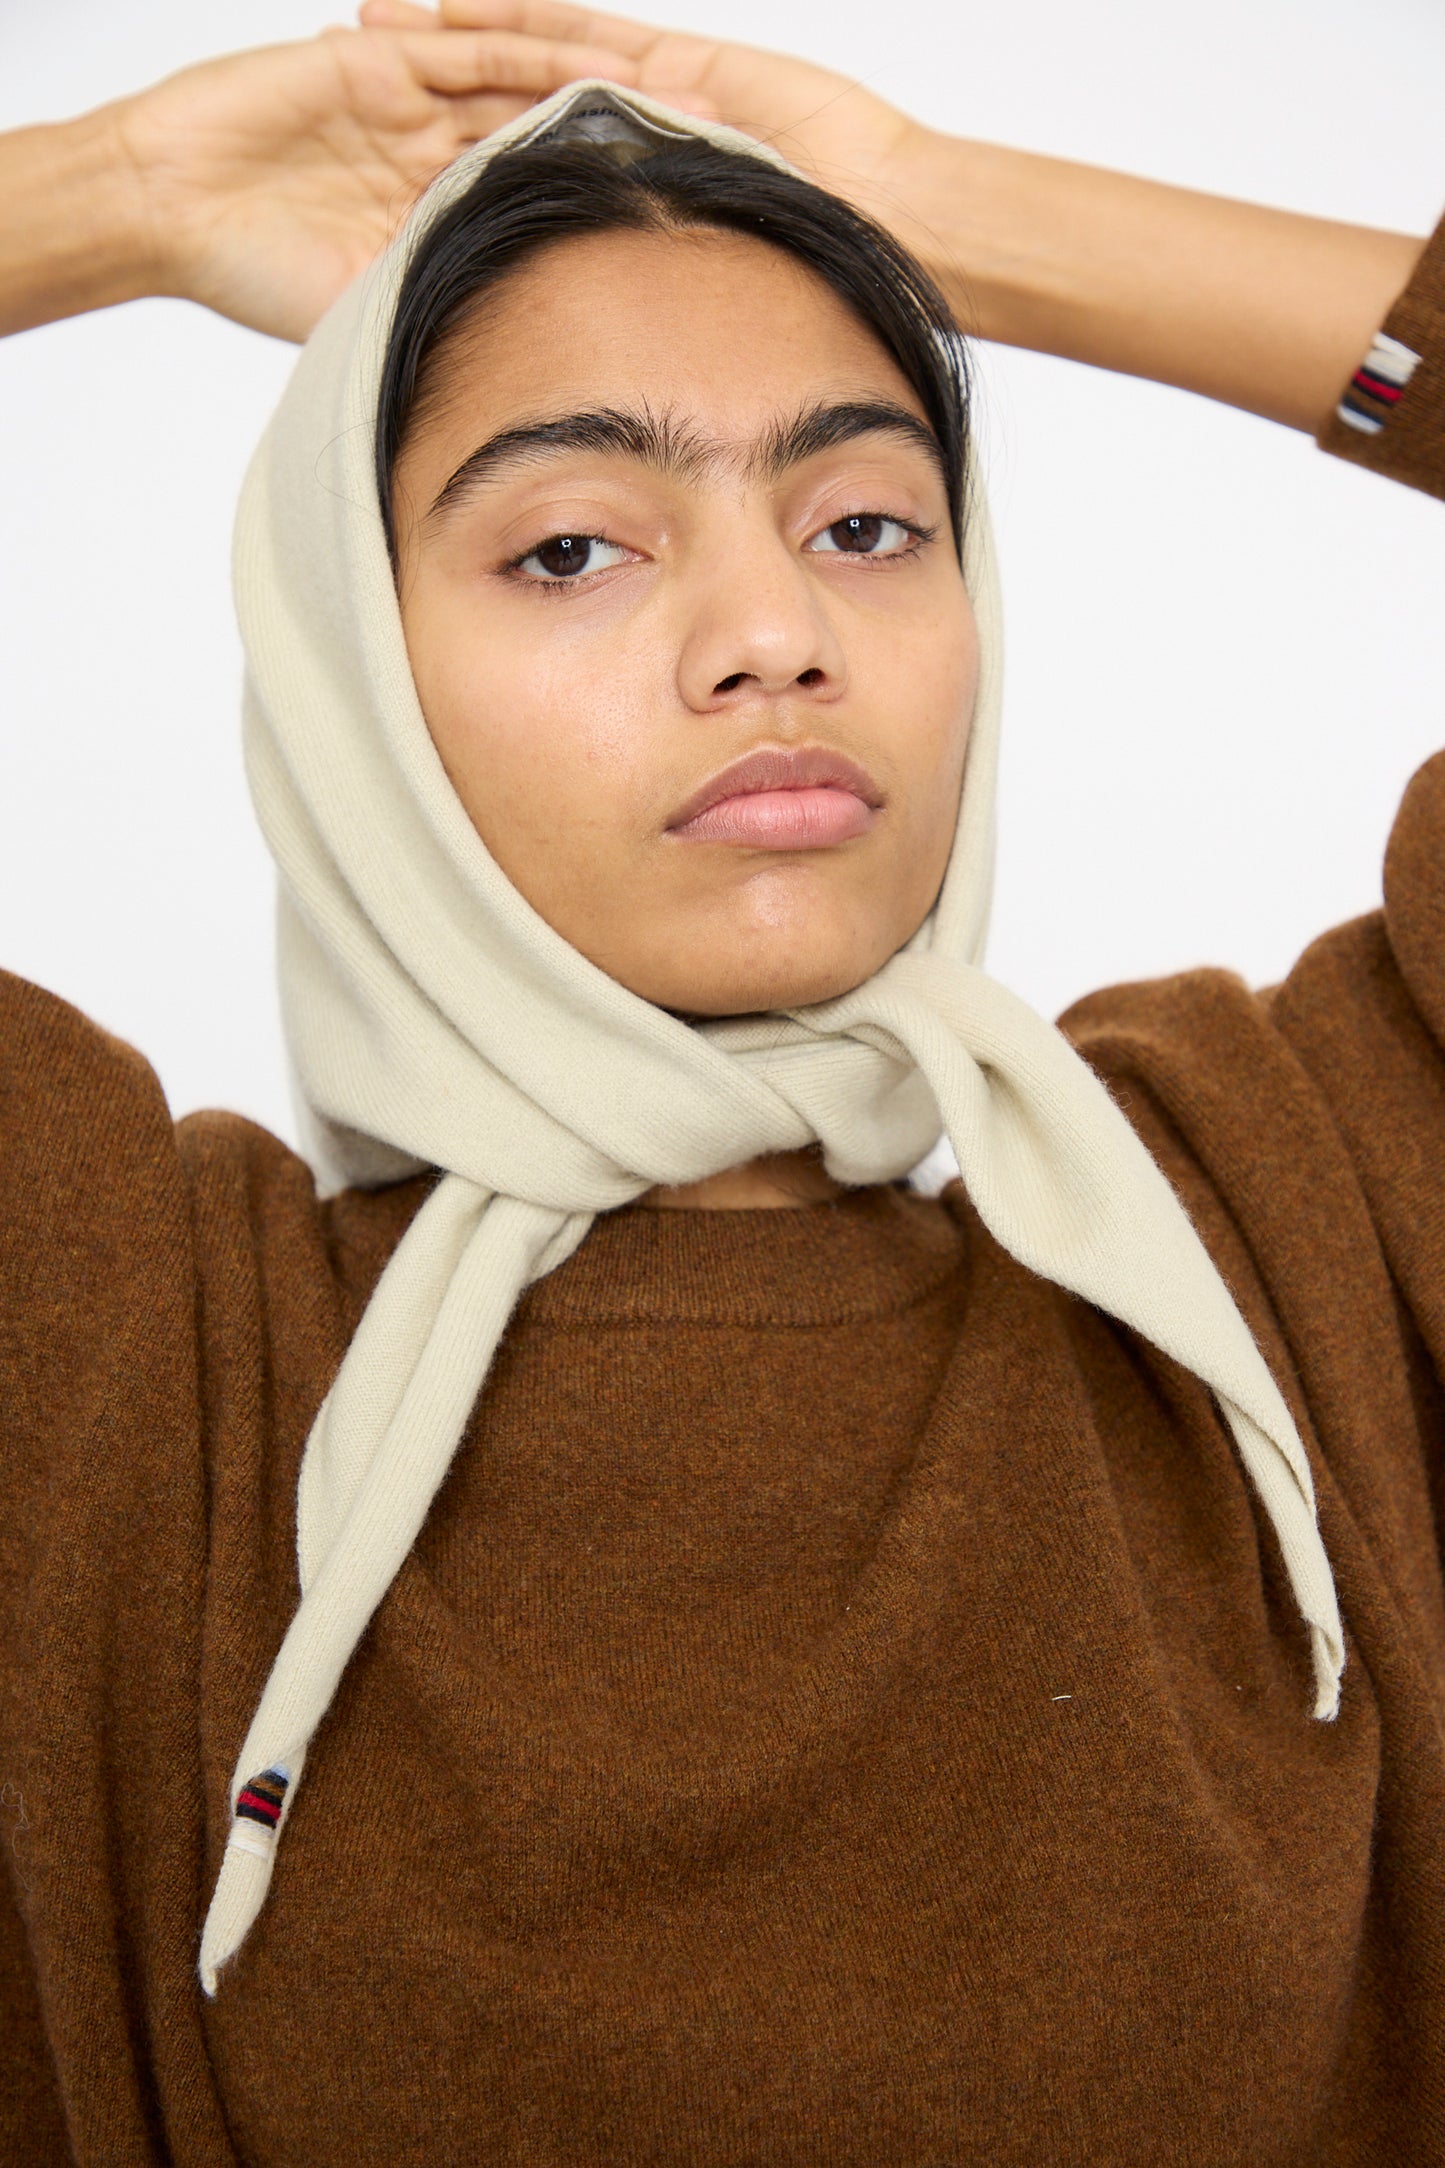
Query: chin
[[787, 985], [741, 963]]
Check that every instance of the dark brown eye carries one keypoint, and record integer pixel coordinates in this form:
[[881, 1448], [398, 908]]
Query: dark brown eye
[[565, 556], [564, 553], [860, 531], [865, 534]]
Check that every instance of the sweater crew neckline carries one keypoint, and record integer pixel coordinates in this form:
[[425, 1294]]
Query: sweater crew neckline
[[870, 1253]]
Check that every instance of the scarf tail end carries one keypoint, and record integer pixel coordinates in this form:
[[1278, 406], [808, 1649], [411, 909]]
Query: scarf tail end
[[1328, 1653], [240, 1892]]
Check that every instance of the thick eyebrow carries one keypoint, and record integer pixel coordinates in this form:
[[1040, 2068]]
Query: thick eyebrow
[[658, 441], [819, 428]]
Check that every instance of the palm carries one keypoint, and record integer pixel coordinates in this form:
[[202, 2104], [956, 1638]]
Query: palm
[[272, 178], [275, 175]]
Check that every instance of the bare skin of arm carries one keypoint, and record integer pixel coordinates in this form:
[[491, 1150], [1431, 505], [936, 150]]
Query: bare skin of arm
[[261, 184], [1260, 309]]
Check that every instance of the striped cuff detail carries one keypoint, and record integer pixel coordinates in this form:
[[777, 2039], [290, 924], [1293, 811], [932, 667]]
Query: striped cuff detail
[[263, 1798], [1374, 390]]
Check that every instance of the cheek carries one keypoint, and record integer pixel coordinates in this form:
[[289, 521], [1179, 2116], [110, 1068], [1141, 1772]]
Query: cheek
[[942, 686], [953, 696], [937, 677], [538, 735]]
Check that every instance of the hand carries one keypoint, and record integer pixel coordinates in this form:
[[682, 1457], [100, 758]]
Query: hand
[[266, 181], [837, 133], [1260, 309]]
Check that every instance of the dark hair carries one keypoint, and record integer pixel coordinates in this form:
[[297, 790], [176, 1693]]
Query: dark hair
[[553, 190]]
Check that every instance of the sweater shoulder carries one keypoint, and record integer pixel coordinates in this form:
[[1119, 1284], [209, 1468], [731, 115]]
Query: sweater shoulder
[[90, 1185], [124, 1238], [91, 1161]]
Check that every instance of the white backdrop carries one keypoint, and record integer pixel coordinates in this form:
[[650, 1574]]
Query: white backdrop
[[1226, 652]]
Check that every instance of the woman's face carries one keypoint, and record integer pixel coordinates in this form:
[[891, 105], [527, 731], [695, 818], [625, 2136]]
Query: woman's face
[[672, 509]]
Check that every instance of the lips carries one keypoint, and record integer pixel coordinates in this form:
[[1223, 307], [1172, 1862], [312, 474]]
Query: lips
[[783, 800]]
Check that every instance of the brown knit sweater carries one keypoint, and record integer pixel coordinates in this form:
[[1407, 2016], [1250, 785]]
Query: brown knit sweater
[[844, 1708]]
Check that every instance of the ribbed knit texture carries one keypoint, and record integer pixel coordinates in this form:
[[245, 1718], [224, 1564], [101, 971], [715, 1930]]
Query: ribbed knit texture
[[1416, 428]]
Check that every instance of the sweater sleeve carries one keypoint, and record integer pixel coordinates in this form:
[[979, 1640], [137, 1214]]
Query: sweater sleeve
[[1391, 414], [103, 1562]]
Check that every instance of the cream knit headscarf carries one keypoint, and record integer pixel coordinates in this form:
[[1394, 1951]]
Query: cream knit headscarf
[[434, 1020]]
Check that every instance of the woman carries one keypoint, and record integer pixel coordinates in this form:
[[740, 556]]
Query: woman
[[824, 1674]]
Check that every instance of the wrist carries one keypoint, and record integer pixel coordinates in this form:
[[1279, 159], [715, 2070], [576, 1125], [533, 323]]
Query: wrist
[[914, 187], [99, 194], [149, 229], [75, 236], [991, 227]]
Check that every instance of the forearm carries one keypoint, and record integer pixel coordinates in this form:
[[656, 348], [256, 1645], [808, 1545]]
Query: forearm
[[73, 235], [1258, 308]]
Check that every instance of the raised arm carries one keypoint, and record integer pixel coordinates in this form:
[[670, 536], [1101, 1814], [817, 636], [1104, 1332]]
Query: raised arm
[[1260, 309], [1257, 308], [262, 183]]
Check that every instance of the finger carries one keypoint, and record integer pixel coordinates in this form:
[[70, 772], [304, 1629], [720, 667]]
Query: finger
[[470, 119], [397, 15], [484, 113], [553, 19], [459, 61], [689, 102]]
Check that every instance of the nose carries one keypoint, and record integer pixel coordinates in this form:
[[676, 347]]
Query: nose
[[759, 629]]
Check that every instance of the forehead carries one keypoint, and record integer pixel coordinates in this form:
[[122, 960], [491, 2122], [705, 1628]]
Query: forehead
[[717, 327]]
